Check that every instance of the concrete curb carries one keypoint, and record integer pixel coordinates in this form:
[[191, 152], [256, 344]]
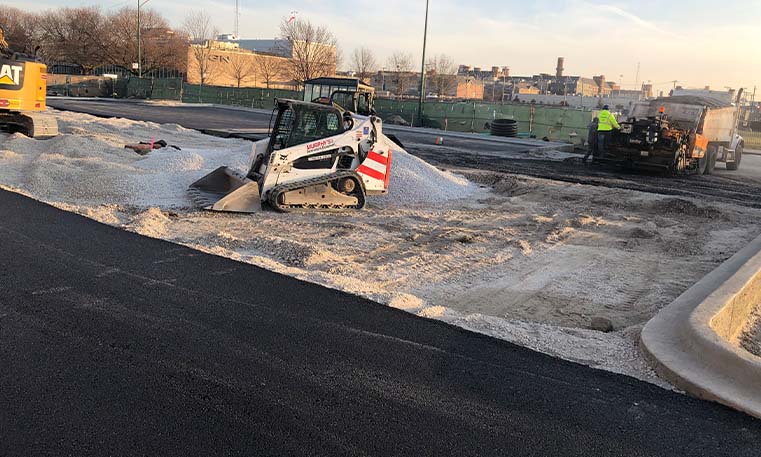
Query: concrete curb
[[692, 343]]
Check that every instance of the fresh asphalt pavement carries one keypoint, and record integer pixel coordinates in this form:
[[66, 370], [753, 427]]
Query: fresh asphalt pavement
[[116, 344], [216, 118], [190, 116]]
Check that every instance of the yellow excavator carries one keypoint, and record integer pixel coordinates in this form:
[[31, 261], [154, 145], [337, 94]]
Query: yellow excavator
[[23, 81]]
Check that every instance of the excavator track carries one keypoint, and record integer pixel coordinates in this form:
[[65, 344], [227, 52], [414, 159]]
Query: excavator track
[[277, 201]]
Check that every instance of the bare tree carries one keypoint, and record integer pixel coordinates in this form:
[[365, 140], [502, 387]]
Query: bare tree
[[162, 47], [201, 33], [241, 67], [75, 35], [19, 28], [401, 64], [268, 67], [441, 74], [363, 63], [312, 50]]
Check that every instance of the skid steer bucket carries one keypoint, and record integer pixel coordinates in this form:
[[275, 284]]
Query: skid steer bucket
[[225, 189]]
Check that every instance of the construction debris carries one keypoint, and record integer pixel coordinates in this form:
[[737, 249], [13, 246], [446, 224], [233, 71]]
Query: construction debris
[[144, 148]]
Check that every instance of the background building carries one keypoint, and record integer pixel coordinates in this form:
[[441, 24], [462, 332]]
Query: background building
[[251, 63]]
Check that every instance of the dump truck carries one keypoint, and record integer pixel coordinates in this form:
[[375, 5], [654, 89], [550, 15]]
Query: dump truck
[[685, 134]]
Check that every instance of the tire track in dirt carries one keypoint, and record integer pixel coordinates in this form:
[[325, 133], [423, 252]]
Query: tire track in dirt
[[742, 191]]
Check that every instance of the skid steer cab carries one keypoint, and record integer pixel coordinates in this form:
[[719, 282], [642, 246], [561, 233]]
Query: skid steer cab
[[347, 94], [317, 157]]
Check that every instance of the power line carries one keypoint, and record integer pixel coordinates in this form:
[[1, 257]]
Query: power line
[[118, 4]]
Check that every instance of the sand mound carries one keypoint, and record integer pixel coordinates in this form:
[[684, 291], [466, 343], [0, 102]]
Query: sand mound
[[151, 223]]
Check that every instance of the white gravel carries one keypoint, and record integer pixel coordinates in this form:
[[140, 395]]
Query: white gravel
[[416, 181]]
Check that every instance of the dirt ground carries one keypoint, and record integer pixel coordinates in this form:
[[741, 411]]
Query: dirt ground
[[534, 261], [532, 250], [528, 260]]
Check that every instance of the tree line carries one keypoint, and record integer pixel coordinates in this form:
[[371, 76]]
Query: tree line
[[89, 38], [402, 76]]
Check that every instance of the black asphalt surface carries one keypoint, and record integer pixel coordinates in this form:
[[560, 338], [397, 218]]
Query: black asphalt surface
[[191, 117], [211, 118], [116, 344]]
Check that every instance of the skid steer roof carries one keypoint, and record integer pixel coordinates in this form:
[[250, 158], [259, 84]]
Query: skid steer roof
[[288, 102], [331, 84], [349, 94]]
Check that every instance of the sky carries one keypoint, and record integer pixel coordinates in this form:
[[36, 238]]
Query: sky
[[696, 42]]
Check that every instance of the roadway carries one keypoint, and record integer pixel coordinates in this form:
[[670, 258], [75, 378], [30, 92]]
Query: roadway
[[116, 344], [213, 118]]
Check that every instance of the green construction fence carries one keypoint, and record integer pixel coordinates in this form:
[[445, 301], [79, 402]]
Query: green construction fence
[[554, 123], [176, 89]]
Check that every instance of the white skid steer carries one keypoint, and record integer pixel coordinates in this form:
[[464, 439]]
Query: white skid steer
[[317, 157]]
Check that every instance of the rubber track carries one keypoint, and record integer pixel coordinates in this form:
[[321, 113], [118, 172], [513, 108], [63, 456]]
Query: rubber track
[[272, 198]]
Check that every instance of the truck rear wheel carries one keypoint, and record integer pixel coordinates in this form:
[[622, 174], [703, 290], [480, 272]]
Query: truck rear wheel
[[738, 158], [703, 163], [711, 155]]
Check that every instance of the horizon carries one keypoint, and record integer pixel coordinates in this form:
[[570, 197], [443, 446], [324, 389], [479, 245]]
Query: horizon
[[594, 37]]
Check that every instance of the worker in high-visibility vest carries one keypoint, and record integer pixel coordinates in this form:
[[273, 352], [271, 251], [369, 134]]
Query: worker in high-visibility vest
[[606, 123]]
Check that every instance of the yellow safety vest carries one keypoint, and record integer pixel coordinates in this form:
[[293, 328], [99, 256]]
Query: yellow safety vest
[[607, 121]]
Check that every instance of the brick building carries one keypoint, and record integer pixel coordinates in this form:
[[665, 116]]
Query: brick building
[[231, 65]]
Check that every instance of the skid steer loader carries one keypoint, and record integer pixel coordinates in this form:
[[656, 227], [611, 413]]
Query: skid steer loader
[[317, 156]]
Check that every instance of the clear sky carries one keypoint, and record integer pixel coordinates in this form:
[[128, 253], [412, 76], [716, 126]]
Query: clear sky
[[697, 42]]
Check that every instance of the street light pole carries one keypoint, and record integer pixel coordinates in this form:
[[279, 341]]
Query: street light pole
[[139, 39], [422, 71], [139, 45]]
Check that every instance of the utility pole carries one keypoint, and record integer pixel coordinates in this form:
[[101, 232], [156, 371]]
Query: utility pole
[[621, 85], [636, 78], [503, 86], [422, 72], [140, 39], [237, 18], [139, 44]]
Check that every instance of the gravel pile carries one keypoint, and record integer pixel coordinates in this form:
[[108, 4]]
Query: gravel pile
[[88, 164], [414, 180]]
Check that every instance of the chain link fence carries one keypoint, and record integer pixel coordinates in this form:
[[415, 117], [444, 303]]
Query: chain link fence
[[752, 139], [555, 123], [177, 89]]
